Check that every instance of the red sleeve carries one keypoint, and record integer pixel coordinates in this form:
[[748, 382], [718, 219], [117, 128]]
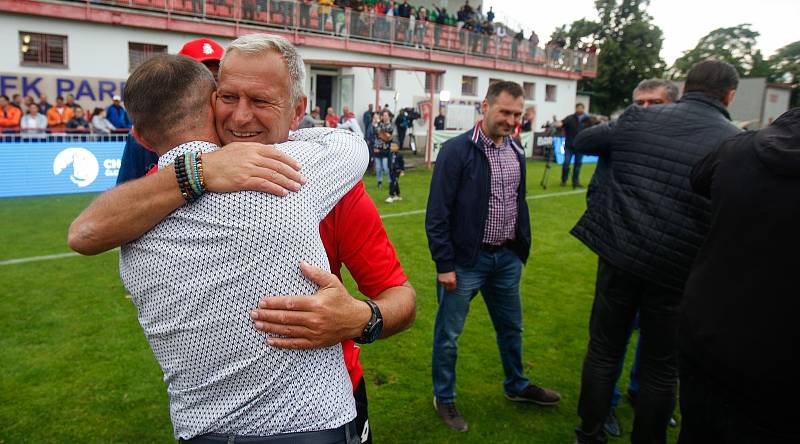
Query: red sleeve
[[353, 235]]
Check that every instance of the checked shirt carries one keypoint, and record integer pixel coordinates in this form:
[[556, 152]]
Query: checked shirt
[[504, 173]]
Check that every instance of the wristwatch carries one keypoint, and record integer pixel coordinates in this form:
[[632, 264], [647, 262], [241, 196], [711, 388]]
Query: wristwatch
[[372, 331]]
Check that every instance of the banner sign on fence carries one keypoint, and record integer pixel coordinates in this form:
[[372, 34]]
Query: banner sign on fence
[[543, 142], [32, 169], [440, 137]]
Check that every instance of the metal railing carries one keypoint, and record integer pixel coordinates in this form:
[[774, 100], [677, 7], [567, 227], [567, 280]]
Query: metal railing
[[309, 17], [7, 136]]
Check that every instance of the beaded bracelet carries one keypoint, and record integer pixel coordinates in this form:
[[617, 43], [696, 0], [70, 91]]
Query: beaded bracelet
[[200, 171], [183, 179], [191, 175]]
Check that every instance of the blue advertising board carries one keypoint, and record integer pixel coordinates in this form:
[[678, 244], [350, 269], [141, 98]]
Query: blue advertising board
[[40, 168], [558, 148]]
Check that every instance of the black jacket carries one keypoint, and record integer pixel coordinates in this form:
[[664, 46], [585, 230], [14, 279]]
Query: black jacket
[[458, 204], [396, 161], [739, 319], [572, 127], [643, 216]]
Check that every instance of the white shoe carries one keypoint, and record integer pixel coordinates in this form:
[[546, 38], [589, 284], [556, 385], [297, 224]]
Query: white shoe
[[398, 198], [389, 199]]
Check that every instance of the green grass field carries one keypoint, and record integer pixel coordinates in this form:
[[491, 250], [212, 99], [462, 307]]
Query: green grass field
[[75, 366]]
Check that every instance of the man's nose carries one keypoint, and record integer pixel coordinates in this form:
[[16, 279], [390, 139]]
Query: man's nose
[[243, 114]]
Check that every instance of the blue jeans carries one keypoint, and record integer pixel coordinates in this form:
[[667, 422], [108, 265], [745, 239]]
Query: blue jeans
[[576, 173], [382, 166], [496, 275]]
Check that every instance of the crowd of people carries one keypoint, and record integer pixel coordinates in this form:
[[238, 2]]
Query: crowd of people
[[680, 242], [32, 117]]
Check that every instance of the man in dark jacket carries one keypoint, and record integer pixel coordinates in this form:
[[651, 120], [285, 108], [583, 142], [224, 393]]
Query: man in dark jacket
[[572, 125], [479, 235], [646, 226], [738, 330]]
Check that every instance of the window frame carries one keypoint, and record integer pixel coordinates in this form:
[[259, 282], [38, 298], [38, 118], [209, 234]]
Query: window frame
[[548, 89], [145, 56], [529, 87], [44, 43], [474, 83], [387, 74]]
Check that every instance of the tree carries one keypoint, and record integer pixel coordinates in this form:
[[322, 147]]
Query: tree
[[785, 67], [628, 50], [735, 45]]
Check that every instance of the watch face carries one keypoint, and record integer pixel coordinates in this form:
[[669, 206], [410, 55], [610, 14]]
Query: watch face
[[375, 331]]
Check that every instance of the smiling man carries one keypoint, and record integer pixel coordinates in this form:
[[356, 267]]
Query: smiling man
[[479, 236], [259, 99]]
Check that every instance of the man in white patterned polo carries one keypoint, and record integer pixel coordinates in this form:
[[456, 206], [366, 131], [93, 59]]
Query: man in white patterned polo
[[195, 276], [479, 236]]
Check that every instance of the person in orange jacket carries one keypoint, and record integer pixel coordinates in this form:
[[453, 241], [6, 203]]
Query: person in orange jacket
[[9, 115], [59, 115]]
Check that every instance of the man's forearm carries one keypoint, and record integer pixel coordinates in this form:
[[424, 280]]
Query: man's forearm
[[125, 213], [399, 308]]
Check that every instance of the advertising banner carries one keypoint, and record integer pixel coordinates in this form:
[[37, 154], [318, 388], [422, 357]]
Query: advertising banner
[[544, 143], [33, 168], [440, 137], [89, 92]]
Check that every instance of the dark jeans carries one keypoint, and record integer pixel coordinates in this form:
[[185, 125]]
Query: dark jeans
[[576, 173], [394, 184], [618, 295], [401, 136], [496, 275], [363, 427], [305, 15], [709, 416]]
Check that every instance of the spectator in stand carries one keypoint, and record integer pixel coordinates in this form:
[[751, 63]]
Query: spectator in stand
[[350, 122], [323, 13], [411, 26], [488, 30], [70, 102], [10, 115], [490, 15], [441, 20], [78, 123], [100, 124], [366, 118], [420, 28], [402, 26], [305, 14], [357, 8], [529, 119], [331, 119], [248, 9], [17, 101], [58, 116], [398, 168], [439, 122], [383, 141], [518, 38], [339, 17], [44, 105], [34, 122], [286, 9], [117, 115], [533, 45]]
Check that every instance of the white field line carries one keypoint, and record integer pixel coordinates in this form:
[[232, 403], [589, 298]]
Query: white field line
[[50, 257]]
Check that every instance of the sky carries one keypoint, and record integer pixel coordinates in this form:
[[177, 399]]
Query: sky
[[683, 22]]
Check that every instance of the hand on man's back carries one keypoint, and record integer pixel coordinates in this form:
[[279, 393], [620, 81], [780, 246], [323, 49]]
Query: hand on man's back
[[245, 166]]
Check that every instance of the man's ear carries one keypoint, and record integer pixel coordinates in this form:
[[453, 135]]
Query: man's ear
[[142, 141], [728, 100], [214, 101], [484, 106], [299, 111]]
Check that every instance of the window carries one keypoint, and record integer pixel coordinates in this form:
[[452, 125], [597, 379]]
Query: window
[[550, 93], [428, 82], [43, 49], [387, 79], [139, 52], [493, 81], [469, 86], [529, 90]]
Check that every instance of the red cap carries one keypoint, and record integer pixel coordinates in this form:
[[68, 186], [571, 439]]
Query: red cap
[[202, 50]]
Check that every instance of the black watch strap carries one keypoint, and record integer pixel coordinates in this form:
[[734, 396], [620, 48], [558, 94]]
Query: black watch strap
[[372, 331]]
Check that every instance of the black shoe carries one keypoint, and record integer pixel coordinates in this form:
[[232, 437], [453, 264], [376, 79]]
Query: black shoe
[[612, 425], [582, 437], [536, 395], [563, 183], [450, 415], [576, 186]]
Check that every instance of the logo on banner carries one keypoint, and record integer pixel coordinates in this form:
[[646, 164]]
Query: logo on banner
[[84, 165]]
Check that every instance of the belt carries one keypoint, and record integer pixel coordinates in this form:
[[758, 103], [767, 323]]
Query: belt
[[492, 248], [340, 435]]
